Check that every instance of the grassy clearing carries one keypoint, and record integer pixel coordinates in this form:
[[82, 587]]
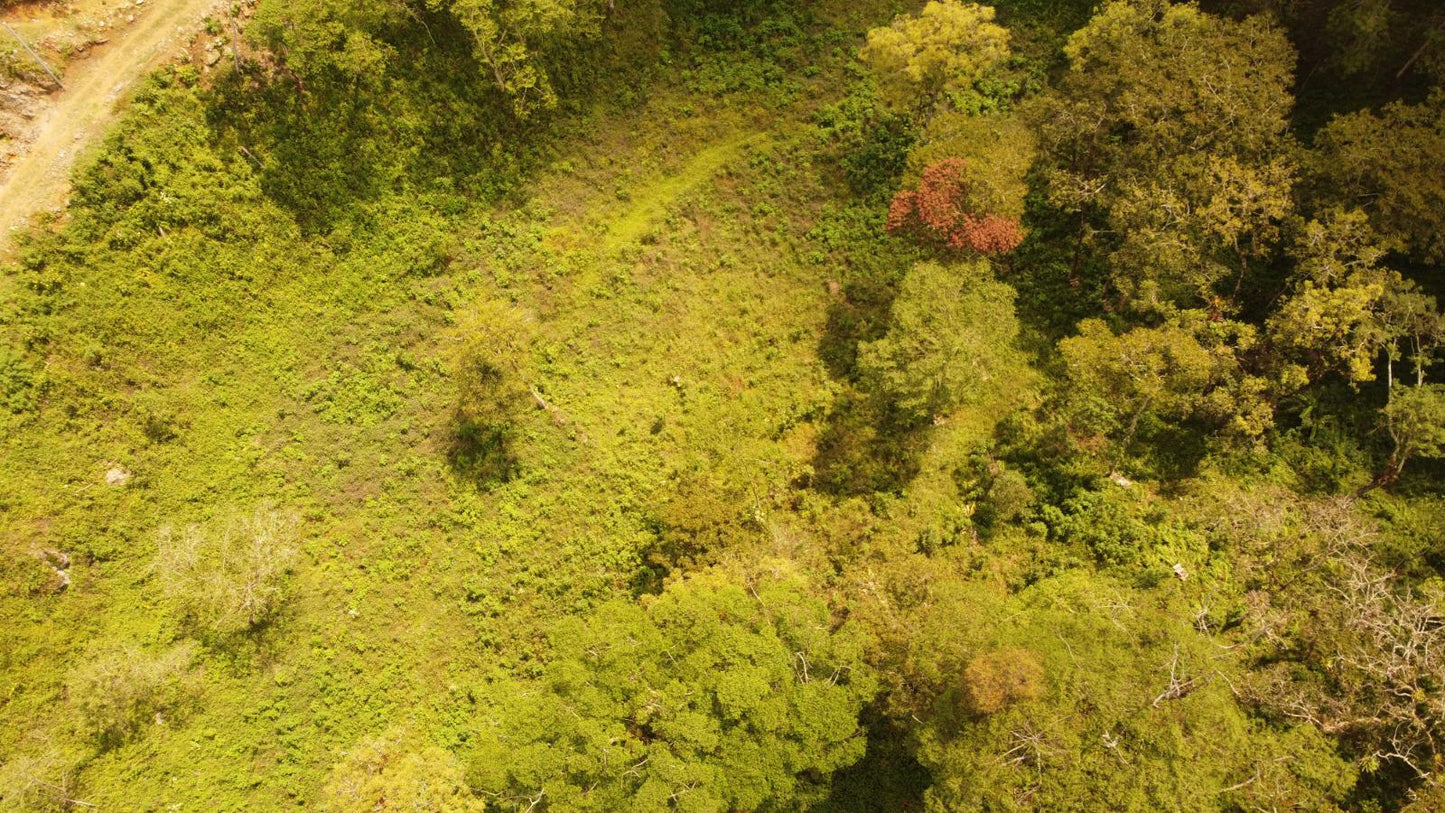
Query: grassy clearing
[[672, 263]]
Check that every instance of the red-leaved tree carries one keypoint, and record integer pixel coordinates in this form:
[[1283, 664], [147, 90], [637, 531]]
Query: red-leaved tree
[[940, 211]]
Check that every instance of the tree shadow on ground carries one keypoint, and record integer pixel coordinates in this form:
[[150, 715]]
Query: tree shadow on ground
[[325, 139], [866, 447], [483, 453]]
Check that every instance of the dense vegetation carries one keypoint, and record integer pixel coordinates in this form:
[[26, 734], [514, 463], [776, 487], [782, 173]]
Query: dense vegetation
[[653, 404]]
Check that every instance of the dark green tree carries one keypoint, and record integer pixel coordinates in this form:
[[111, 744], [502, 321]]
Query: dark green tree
[[1415, 421]]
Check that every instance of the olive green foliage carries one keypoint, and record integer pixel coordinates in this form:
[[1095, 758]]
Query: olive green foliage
[[1345, 646], [1169, 133], [18, 383], [871, 142], [393, 771], [1018, 697], [1387, 161], [510, 34], [327, 36], [944, 51], [1074, 677], [511, 41], [231, 576], [1348, 311], [951, 341], [1362, 27], [713, 696], [613, 456], [1415, 421], [1414, 417], [702, 517], [1371, 43], [1185, 369], [346, 102], [118, 689], [343, 109], [1138, 62]]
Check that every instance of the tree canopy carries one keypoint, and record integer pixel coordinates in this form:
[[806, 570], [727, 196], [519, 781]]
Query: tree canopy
[[944, 50], [951, 340], [712, 696], [1169, 134]]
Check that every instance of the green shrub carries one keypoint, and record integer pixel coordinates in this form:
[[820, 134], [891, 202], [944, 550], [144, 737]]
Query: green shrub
[[1104, 522], [119, 688], [394, 772], [19, 383], [1008, 497], [869, 142]]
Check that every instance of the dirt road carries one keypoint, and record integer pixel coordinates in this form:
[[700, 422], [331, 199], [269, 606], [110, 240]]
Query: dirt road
[[78, 116]]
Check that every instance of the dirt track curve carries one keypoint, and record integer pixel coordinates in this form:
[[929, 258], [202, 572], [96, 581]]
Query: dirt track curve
[[39, 179]]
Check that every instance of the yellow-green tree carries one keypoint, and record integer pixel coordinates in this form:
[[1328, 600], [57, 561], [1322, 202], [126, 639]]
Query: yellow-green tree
[[945, 49], [1415, 421], [510, 39], [1184, 369], [397, 771], [1347, 311], [951, 342], [1388, 162], [1081, 693]]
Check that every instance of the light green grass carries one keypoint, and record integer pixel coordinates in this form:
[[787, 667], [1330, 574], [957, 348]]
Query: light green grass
[[677, 333], [643, 209]]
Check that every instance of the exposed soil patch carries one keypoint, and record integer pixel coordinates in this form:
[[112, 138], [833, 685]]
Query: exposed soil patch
[[43, 129]]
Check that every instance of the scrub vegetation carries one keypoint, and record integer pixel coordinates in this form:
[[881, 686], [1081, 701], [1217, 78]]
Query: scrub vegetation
[[768, 405]]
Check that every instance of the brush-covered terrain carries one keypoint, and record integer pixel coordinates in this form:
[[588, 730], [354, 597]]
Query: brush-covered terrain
[[763, 405]]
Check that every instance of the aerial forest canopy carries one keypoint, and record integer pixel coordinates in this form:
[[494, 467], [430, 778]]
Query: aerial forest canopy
[[762, 405]]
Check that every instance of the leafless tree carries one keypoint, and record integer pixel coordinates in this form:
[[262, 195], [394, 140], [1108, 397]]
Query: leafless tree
[[231, 576]]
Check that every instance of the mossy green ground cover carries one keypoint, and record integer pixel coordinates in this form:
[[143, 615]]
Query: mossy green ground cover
[[679, 267], [633, 462]]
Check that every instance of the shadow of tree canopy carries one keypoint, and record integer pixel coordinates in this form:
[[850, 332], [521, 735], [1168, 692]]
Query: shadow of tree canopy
[[483, 453], [867, 447], [329, 136]]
